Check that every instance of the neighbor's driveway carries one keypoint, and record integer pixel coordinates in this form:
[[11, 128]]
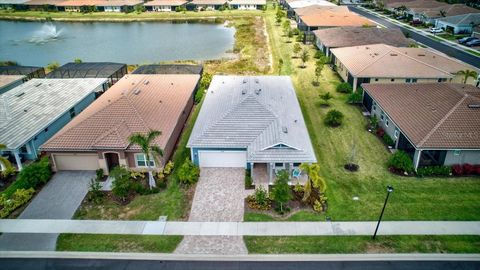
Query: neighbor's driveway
[[59, 199], [219, 196]]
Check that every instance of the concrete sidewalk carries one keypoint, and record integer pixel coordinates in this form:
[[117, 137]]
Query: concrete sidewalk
[[239, 228]]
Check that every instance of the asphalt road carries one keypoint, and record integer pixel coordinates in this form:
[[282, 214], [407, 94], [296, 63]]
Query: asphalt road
[[118, 264], [453, 52]]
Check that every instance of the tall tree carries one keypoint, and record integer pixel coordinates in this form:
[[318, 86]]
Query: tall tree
[[467, 74], [145, 141]]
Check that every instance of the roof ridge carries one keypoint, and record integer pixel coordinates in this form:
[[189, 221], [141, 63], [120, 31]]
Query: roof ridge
[[465, 96]]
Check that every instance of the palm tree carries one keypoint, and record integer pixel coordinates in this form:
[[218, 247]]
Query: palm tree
[[4, 163], [314, 179], [467, 74], [151, 151]]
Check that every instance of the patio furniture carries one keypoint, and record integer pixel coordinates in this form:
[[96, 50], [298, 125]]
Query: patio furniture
[[296, 173]]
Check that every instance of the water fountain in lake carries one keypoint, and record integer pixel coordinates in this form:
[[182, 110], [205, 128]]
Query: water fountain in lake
[[48, 32]]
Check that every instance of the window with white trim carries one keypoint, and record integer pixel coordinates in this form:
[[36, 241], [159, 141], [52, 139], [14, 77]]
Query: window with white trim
[[457, 152], [141, 160], [396, 133], [387, 122]]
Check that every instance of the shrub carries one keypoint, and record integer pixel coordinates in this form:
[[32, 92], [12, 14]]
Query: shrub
[[298, 188], [434, 171], [344, 88], [100, 174], [401, 161], [318, 54], [457, 169], [356, 97], [167, 170], [35, 174], [9, 170], [380, 132], [95, 191], [388, 140], [476, 168], [19, 198], [122, 185], [468, 169], [188, 173], [281, 192], [373, 122], [333, 118]]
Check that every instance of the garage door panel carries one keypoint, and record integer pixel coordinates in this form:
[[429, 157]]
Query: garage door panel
[[222, 159], [76, 162]]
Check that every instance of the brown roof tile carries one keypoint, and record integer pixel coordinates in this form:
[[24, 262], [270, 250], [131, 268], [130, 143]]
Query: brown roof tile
[[136, 103], [317, 9], [432, 115], [329, 18]]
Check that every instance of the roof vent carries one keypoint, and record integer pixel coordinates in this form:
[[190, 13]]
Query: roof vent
[[421, 54], [244, 92], [258, 91], [256, 80], [146, 82], [474, 106], [284, 129], [244, 80], [137, 91], [25, 110], [20, 94], [38, 84], [393, 54]]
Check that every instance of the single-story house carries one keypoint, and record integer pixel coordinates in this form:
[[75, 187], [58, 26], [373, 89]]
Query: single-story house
[[27, 71], [169, 69], [317, 9], [206, 4], [164, 5], [16, 4], [42, 5], [251, 122], [77, 5], [328, 19], [290, 6], [460, 24], [34, 111], [247, 4], [138, 103], [349, 36], [380, 63], [431, 15], [110, 71], [435, 123], [8, 82], [407, 7], [117, 5]]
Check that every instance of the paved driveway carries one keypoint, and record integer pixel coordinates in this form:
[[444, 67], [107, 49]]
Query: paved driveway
[[219, 196], [59, 199]]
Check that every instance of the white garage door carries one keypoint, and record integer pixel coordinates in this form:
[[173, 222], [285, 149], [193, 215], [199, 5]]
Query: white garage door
[[76, 162], [222, 158]]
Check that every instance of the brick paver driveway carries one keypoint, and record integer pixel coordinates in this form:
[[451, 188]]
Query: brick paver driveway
[[219, 196], [59, 199]]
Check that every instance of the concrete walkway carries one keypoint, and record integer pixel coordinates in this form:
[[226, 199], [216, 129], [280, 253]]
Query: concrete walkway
[[59, 199], [219, 197], [238, 229]]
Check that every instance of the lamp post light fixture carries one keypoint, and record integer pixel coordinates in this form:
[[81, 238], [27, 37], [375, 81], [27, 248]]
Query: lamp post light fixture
[[389, 190]]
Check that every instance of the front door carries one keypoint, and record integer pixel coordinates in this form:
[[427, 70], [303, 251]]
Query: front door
[[112, 160]]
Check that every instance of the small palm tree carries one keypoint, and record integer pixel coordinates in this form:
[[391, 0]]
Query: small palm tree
[[151, 151], [304, 56], [467, 74]]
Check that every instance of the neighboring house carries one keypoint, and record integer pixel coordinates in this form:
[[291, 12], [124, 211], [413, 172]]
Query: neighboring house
[[169, 69], [431, 15], [435, 123], [460, 24], [290, 6], [110, 71], [252, 122], [98, 137], [328, 19], [164, 5], [206, 4], [76, 5], [8, 82], [28, 72], [247, 4], [117, 5], [43, 5], [17, 4], [33, 112], [380, 63], [348, 36], [317, 10]]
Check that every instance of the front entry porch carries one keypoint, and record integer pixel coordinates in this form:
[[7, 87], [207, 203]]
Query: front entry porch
[[264, 174]]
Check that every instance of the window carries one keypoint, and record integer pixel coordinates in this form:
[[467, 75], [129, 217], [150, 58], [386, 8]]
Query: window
[[386, 122], [72, 112], [457, 152], [297, 164], [442, 80], [396, 133], [278, 164], [46, 129], [382, 116], [376, 79], [414, 80], [407, 80], [374, 107], [392, 80], [141, 160]]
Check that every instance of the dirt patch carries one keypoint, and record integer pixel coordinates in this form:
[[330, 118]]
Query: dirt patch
[[376, 247]]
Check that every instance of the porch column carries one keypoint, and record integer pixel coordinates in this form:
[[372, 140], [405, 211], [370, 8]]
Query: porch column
[[290, 169], [251, 168], [270, 169], [416, 159], [354, 84], [18, 160]]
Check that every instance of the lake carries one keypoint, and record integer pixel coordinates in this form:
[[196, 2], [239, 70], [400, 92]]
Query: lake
[[39, 43]]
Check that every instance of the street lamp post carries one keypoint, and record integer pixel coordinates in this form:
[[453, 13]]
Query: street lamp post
[[389, 190]]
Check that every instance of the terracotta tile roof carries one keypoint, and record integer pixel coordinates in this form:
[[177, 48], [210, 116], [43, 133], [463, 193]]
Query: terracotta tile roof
[[446, 11], [9, 79], [136, 103], [417, 4], [42, 2], [330, 18], [104, 3], [317, 9], [433, 115], [384, 61], [165, 3], [77, 3], [348, 36], [309, 3], [208, 2]]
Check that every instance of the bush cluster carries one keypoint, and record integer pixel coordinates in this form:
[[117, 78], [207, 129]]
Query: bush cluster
[[259, 200], [400, 161], [388, 140], [465, 169], [333, 118], [344, 88], [18, 198], [188, 173], [434, 171], [31, 176]]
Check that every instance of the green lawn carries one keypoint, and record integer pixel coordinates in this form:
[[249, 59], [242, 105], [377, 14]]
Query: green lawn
[[117, 243], [413, 198], [362, 244]]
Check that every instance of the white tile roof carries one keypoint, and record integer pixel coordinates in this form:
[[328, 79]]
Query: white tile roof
[[31, 107], [253, 113]]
